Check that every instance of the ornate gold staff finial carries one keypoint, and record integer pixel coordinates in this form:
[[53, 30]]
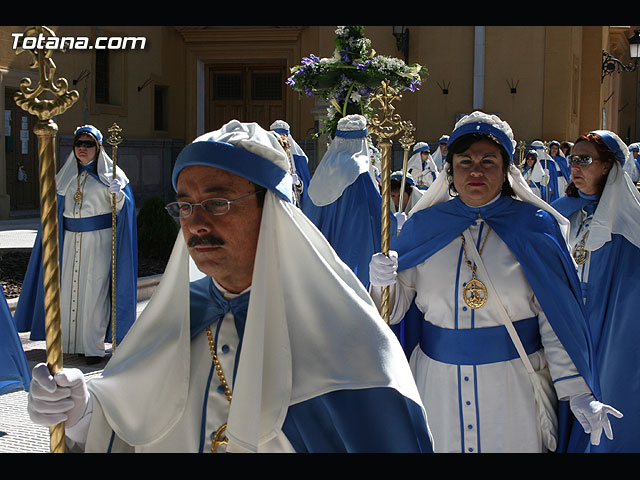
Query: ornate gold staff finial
[[521, 148], [407, 140], [384, 128], [115, 139], [46, 130]]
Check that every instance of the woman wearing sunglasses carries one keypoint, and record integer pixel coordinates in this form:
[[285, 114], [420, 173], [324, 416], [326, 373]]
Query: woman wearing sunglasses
[[603, 207], [85, 188]]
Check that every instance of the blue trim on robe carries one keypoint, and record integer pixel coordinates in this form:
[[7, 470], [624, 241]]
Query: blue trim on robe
[[336, 422], [612, 293], [29, 314], [14, 369], [534, 237], [353, 224]]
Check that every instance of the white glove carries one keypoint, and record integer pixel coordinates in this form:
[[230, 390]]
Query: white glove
[[545, 178], [401, 217], [115, 186], [592, 415], [59, 398], [383, 270]]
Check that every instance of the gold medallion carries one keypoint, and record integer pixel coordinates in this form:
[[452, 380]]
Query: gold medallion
[[580, 254], [475, 293], [77, 197], [219, 438]]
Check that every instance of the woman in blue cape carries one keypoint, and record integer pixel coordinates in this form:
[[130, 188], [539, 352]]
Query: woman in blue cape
[[561, 160], [84, 187], [533, 173], [603, 206], [486, 302], [14, 370], [554, 180]]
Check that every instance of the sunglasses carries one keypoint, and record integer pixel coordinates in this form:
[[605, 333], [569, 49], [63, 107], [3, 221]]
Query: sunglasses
[[580, 160], [85, 143]]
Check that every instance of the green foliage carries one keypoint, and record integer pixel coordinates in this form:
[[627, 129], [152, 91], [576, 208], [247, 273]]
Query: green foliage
[[156, 230], [347, 80]]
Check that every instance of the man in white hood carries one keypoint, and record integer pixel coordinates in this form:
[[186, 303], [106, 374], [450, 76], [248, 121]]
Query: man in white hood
[[257, 354]]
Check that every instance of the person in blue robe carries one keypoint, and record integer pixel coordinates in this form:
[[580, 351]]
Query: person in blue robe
[[14, 370], [344, 201], [258, 337], [301, 173], [553, 189], [85, 280], [533, 173], [560, 159], [632, 165], [603, 206], [455, 335]]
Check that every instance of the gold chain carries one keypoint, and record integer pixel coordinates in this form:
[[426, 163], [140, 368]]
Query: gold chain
[[475, 292], [219, 438], [77, 197]]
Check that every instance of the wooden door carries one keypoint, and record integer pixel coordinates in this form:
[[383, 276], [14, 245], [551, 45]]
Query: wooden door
[[245, 92]]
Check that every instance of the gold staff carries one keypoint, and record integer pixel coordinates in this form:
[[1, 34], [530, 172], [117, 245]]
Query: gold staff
[[406, 141], [389, 126], [46, 130], [521, 148], [114, 140]]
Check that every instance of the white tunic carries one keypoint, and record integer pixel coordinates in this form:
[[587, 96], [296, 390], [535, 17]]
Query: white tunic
[[85, 305], [489, 407]]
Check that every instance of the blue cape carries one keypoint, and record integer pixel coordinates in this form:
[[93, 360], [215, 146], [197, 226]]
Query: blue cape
[[534, 237], [342, 421], [564, 167], [29, 314], [353, 224], [612, 312], [14, 370]]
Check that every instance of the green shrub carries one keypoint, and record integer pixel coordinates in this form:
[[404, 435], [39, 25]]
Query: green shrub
[[156, 230]]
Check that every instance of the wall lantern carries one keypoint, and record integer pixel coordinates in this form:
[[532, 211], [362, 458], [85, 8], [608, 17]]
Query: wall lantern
[[402, 40], [612, 65]]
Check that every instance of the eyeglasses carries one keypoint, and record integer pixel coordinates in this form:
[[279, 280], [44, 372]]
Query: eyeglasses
[[85, 143], [212, 206], [580, 160]]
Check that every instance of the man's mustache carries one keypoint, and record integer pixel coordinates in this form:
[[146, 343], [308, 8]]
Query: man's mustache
[[204, 240]]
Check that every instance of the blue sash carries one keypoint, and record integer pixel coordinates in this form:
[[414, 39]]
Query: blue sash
[[478, 346], [87, 224]]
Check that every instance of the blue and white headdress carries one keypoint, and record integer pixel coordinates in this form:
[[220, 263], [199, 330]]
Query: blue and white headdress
[[615, 144], [91, 130], [244, 149], [480, 122], [618, 209]]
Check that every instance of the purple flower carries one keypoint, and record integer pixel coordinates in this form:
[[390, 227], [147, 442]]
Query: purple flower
[[310, 61], [363, 66]]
